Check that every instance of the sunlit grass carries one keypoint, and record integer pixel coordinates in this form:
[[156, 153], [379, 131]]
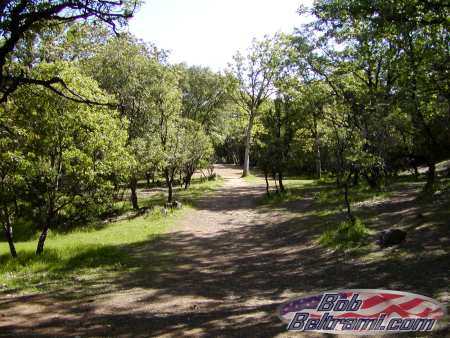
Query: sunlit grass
[[80, 253], [294, 191], [98, 249], [325, 192], [253, 178], [198, 189]]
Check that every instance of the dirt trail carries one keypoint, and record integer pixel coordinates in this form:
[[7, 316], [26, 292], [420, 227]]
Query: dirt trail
[[221, 272], [220, 281], [230, 207]]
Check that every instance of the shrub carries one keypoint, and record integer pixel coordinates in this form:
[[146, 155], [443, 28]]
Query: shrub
[[346, 235]]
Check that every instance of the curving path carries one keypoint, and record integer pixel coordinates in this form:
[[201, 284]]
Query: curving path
[[221, 272]]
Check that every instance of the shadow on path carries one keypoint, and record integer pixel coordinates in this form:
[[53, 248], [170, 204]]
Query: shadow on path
[[224, 271]]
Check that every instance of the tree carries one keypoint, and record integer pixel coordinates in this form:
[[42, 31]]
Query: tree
[[148, 157], [401, 55], [205, 100], [20, 17], [315, 96], [347, 92], [254, 75], [73, 150], [12, 171], [131, 72], [199, 150], [167, 126], [280, 124], [72, 42], [347, 146]]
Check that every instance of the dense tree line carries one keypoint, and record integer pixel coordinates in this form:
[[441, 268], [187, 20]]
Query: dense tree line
[[88, 110], [361, 92]]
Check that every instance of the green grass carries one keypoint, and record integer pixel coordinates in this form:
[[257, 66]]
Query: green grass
[[98, 250], [359, 193], [197, 190], [252, 178], [324, 192], [347, 235], [294, 191], [80, 254]]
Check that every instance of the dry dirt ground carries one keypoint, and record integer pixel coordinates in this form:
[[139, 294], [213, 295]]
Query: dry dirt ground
[[231, 264]]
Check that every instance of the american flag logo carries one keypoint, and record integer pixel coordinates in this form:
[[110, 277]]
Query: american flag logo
[[393, 304]]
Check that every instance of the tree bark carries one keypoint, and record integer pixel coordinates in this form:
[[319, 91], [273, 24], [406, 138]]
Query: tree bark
[[169, 182], [181, 182], [267, 183], [50, 221], [318, 163], [235, 159], [133, 197], [169, 197], [275, 181], [317, 146], [350, 216], [431, 177], [187, 181], [248, 141], [280, 181], [9, 235], [41, 241], [9, 238]]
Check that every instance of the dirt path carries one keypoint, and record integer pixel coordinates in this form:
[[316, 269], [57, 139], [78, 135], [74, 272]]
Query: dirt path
[[231, 207], [223, 280], [221, 272], [223, 283], [227, 277]]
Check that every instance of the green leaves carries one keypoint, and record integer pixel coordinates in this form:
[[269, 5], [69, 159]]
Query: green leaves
[[72, 150], [205, 100]]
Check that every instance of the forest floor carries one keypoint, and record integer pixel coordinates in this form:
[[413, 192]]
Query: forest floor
[[228, 263]]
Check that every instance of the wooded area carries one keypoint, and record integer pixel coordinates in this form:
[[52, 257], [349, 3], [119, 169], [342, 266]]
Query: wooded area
[[358, 97]]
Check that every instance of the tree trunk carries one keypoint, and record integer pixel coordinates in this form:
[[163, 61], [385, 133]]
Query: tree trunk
[[275, 181], [169, 197], [235, 159], [350, 216], [9, 236], [8, 231], [248, 141], [246, 170], [133, 197], [41, 241], [318, 160], [267, 183], [431, 177], [356, 178], [280, 181], [187, 180], [169, 182], [420, 123]]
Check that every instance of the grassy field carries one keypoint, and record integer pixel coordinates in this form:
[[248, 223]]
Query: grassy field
[[97, 249], [399, 204]]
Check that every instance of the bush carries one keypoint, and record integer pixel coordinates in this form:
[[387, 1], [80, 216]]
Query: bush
[[346, 235]]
